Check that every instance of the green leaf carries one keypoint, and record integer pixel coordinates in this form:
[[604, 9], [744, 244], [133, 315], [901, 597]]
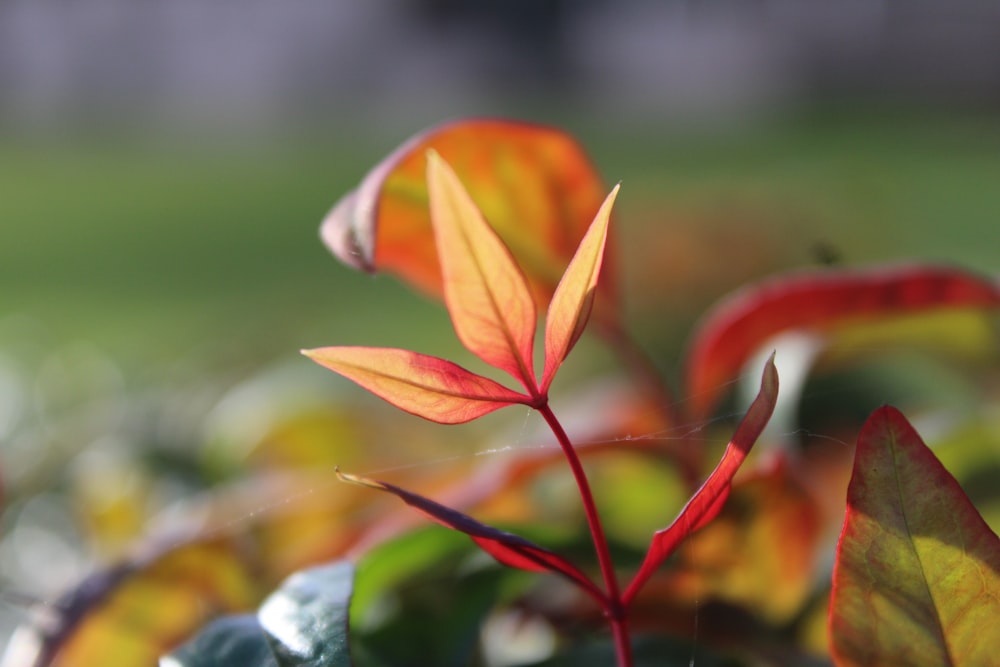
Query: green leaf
[[230, 641], [917, 577], [306, 620]]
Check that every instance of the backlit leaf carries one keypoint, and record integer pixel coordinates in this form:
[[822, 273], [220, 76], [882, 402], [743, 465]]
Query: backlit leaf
[[735, 559], [917, 577], [486, 293], [423, 385], [708, 500], [535, 185], [508, 549], [817, 301], [574, 297]]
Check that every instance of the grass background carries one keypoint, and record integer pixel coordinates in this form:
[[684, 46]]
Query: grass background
[[156, 249]]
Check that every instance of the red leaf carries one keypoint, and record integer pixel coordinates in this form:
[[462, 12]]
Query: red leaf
[[486, 293], [708, 500], [917, 576], [508, 549], [817, 301], [422, 385], [573, 300]]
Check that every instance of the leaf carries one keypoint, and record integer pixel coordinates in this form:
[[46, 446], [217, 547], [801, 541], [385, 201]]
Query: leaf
[[510, 550], [229, 641], [708, 500], [573, 300], [734, 558], [535, 184], [306, 619], [917, 576], [487, 296], [133, 612], [422, 385], [817, 301]]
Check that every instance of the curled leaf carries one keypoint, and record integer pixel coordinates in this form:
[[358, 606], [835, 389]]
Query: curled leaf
[[426, 386], [534, 183], [486, 292], [818, 301], [708, 500], [917, 576], [510, 550], [574, 297]]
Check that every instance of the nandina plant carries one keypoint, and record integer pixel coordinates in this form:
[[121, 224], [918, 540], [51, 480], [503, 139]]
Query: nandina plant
[[493, 313], [505, 220]]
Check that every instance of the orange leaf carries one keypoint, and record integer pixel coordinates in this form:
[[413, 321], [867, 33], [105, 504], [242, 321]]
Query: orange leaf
[[917, 577], [486, 293], [420, 384], [535, 184], [574, 297]]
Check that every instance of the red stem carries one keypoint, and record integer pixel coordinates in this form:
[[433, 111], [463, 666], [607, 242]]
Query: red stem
[[615, 611]]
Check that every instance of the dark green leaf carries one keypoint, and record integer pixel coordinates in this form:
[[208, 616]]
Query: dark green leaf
[[230, 641], [306, 620]]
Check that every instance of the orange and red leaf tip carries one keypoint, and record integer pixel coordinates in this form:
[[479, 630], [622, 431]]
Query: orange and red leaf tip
[[573, 299], [423, 385], [486, 293]]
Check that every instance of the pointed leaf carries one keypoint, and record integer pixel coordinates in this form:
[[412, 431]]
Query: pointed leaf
[[486, 293], [510, 550], [535, 184], [708, 500], [817, 301], [573, 300], [917, 577], [422, 385], [306, 619], [733, 558]]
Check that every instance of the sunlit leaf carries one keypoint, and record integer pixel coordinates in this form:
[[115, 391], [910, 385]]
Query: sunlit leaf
[[817, 301], [423, 385], [574, 297], [917, 577], [230, 641], [708, 500], [735, 558], [508, 549], [535, 185], [487, 296], [306, 619]]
